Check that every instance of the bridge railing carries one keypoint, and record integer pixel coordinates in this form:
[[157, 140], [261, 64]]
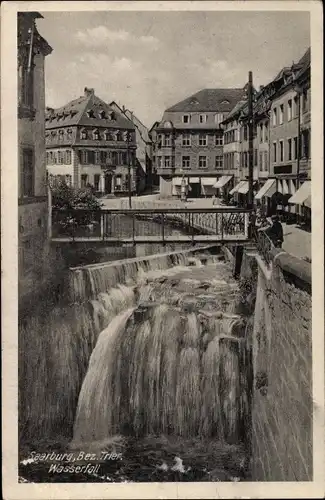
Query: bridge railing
[[160, 223], [264, 245]]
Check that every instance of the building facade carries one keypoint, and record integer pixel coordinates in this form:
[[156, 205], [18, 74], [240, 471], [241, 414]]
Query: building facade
[[143, 142], [32, 187], [90, 144], [290, 136], [188, 143]]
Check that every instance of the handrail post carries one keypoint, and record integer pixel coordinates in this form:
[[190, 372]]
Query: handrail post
[[163, 227], [133, 228]]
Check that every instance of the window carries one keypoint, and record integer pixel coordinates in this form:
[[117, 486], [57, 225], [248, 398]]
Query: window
[[219, 140], [305, 144], [84, 180], [289, 110], [186, 118], [266, 161], [266, 132], [274, 151], [159, 161], [103, 157], [202, 161], [96, 135], [83, 134], [167, 140], [304, 101], [289, 149], [167, 161], [61, 134], [114, 158], [255, 157], [261, 134], [119, 136], [27, 87], [295, 107], [203, 140], [90, 113], [274, 117], [295, 148], [203, 118], [218, 118], [261, 160], [219, 161], [27, 181], [91, 157], [102, 114], [186, 161], [245, 131], [281, 114], [118, 183], [60, 157], [281, 150], [186, 140], [96, 182]]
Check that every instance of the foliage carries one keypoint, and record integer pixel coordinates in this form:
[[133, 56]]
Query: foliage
[[69, 198]]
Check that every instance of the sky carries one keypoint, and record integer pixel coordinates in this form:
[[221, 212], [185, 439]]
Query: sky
[[148, 61]]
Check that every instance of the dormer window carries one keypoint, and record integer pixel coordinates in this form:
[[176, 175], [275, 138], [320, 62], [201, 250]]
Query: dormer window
[[119, 136], [102, 114], [96, 135], [83, 134], [186, 118], [69, 132], [90, 113], [203, 118], [112, 116]]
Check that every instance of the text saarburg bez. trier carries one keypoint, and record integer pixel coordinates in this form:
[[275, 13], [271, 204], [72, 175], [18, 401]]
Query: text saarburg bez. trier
[[74, 456]]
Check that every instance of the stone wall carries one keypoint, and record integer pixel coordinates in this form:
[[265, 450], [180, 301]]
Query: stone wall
[[282, 408]]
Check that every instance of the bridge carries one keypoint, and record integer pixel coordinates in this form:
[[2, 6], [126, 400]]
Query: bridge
[[140, 226]]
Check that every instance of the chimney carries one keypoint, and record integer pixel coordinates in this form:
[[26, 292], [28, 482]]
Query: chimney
[[123, 108], [88, 92]]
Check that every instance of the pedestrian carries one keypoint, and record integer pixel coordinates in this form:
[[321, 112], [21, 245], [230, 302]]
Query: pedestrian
[[275, 232]]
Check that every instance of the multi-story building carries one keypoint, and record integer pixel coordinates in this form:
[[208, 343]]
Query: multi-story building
[[290, 134], [143, 141], [188, 143], [32, 188], [88, 143]]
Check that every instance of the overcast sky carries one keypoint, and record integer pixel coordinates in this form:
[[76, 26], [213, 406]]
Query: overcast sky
[[149, 61]]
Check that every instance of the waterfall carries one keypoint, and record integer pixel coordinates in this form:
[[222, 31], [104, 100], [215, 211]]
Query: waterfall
[[144, 349]]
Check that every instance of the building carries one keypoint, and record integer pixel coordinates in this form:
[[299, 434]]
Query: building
[[88, 143], [143, 142], [290, 137], [32, 188], [188, 143]]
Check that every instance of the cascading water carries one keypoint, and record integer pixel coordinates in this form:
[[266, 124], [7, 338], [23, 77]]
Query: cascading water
[[162, 357]]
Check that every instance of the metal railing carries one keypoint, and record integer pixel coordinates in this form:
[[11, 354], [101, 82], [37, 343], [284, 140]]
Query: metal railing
[[155, 224], [264, 245]]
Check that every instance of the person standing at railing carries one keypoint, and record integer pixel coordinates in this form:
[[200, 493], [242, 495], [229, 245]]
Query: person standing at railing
[[275, 231]]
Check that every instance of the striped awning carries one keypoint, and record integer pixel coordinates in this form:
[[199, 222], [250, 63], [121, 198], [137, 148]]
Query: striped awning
[[208, 181], [303, 195], [235, 189], [244, 188], [267, 190], [222, 181]]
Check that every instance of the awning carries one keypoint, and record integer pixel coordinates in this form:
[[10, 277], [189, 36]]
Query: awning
[[267, 190], [222, 181], [235, 189], [292, 187], [177, 181], [303, 195], [244, 188], [208, 181], [194, 180]]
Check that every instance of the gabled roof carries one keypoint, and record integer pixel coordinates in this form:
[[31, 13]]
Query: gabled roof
[[85, 111], [143, 130], [219, 100]]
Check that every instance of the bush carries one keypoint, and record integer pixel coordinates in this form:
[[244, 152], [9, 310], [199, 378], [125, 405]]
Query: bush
[[69, 198]]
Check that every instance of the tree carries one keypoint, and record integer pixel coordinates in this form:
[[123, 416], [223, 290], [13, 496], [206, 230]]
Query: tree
[[75, 208]]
